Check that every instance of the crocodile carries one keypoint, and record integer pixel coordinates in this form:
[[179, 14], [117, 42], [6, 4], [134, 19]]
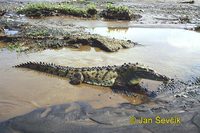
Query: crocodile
[[124, 76]]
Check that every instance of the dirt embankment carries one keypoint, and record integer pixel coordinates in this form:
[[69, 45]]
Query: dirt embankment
[[140, 12]]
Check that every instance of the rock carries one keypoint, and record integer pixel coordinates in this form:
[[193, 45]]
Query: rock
[[80, 117], [187, 1], [116, 15], [142, 108], [184, 19], [40, 37], [197, 28], [196, 120], [1, 30], [159, 110], [2, 12], [109, 45]]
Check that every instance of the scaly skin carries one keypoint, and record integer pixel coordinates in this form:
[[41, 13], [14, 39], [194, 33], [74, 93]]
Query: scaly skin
[[126, 75]]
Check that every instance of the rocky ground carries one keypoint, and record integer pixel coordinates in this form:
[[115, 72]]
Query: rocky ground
[[176, 99], [30, 37], [144, 12]]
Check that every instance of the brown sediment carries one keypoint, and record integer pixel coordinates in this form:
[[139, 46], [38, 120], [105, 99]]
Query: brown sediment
[[33, 89], [2, 45], [118, 29]]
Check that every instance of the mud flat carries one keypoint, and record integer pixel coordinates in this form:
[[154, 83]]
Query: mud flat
[[143, 12], [158, 28], [81, 117], [177, 99]]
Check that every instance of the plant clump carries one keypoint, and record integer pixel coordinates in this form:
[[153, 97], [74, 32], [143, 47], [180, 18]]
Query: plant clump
[[52, 9], [116, 12], [14, 47], [38, 33], [91, 10]]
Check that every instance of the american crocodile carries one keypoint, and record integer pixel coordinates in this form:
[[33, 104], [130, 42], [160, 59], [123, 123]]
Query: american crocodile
[[124, 76]]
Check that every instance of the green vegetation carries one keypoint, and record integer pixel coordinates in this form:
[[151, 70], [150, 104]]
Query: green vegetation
[[116, 12], [17, 46], [50, 9], [47, 9], [117, 9], [14, 47], [91, 9], [38, 33]]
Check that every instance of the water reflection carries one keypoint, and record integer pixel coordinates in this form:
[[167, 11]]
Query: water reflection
[[174, 52], [86, 48], [10, 32], [69, 20], [118, 29]]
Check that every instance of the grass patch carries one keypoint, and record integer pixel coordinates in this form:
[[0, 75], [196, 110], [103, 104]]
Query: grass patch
[[117, 9], [14, 47], [38, 33], [17, 46], [117, 12], [51, 9], [91, 9]]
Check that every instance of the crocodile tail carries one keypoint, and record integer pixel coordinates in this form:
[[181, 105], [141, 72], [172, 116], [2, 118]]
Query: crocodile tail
[[45, 67]]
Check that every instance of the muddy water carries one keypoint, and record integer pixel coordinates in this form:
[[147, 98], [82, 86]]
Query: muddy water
[[23, 90], [63, 21], [173, 52], [169, 49]]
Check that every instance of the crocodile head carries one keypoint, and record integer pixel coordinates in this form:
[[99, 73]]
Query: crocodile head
[[133, 73], [130, 75], [145, 73]]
